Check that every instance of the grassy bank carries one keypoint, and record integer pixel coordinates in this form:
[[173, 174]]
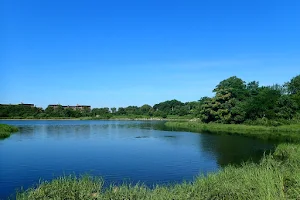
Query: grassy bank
[[6, 130], [288, 133], [277, 176]]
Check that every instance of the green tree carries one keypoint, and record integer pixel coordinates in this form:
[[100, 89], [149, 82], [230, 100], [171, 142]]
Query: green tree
[[263, 104], [132, 110], [286, 107], [113, 110], [293, 86], [101, 112], [252, 88], [234, 85], [171, 107], [121, 111], [226, 106], [146, 109]]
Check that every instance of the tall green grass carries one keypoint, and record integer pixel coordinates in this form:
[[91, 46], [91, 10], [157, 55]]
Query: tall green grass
[[287, 133], [6, 130], [277, 176]]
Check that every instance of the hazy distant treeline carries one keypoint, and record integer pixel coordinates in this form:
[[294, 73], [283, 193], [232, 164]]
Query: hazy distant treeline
[[235, 101]]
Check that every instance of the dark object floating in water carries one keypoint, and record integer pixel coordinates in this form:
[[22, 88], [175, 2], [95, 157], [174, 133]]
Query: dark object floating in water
[[170, 136], [142, 137]]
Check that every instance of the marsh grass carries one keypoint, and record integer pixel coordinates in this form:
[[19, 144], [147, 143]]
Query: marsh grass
[[277, 176], [284, 133], [66, 187], [6, 130]]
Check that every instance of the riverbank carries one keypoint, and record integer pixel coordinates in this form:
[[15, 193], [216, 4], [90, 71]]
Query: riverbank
[[46, 119], [284, 133], [277, 176], [78, 119], [7, 130], [111, 117], [94, 118]]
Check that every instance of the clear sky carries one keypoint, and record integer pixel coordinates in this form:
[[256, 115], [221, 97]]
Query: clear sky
[[121, 53]]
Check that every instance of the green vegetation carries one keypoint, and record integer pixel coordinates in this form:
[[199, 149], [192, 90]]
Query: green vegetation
[[6, 130], [277, 176], [234, 102], [288, 133], [265, 112]]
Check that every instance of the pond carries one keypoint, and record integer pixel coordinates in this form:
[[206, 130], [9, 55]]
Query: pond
[[118, 151]]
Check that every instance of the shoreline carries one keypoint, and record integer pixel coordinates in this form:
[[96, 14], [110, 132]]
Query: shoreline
[[275, 177], [116, 119], [34, 119], [283, 133]]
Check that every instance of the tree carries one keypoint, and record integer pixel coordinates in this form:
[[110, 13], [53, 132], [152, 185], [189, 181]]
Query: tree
[[170, 107], [49, 111], [252, 88], [207, 111], [132, 110], [234, 85], [226, 106], [222, 108], [159, 113], [286, 107], [293, 87], [121, 111], [281, 88], [263, 104], [145, 109], [101, 112], [191, 107], [113, 110]]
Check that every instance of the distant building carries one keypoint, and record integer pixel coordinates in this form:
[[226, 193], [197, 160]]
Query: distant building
[[26, 104], [83, 107], [21, 104], [77, 107], [54, 105]]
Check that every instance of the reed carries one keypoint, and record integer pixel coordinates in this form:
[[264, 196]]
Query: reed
[[6, 130]]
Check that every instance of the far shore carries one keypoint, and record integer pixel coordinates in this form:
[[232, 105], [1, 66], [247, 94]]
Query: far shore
[[82, 119], [36, 119]]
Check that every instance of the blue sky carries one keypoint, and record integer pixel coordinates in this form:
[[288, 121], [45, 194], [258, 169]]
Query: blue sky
[[120, 53]]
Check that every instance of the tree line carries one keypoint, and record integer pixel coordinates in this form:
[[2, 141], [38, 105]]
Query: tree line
[[234, 102]]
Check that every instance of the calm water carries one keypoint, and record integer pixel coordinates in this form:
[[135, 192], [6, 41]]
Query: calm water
[[116, 150]]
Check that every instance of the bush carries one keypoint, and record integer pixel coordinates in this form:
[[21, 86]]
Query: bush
[[6, 130]]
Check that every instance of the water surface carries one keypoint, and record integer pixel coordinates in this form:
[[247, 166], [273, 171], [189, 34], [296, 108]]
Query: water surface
[[132, 151]]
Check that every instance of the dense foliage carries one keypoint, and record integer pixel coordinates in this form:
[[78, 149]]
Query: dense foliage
[[6, 130], [234, 102]]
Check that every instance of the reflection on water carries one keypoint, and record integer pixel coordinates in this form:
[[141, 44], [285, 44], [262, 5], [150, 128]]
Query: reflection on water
[[235, 149], [69, 131], [137, 151], [230, 149]]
